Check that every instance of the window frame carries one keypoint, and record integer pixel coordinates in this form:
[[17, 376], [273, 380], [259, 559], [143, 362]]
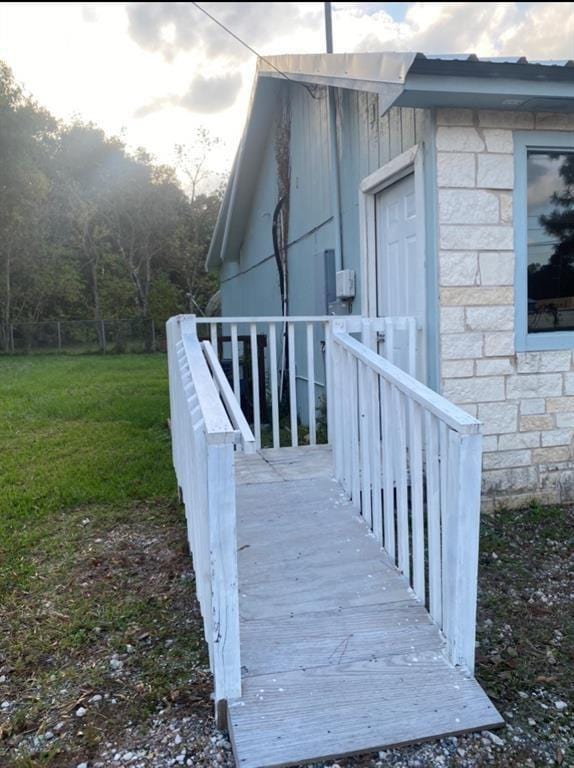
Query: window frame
[[525, 141]]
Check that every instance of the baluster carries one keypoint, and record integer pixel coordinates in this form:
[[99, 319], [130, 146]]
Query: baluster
[[273, 381], [365, 419], [417, 512], [433, 517], [213, 337], [346, 418], [255, 387], [354, 423], [388, 469], [375, 456], [292, 385], [401, 486], [311, 385], [235, 362]]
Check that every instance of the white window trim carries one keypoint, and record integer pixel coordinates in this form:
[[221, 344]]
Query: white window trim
[[396, 169]]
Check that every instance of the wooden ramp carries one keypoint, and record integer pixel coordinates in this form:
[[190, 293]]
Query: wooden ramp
[[338, 656]]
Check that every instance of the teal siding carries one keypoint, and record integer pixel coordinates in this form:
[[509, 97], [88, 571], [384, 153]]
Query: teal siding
[[310, 225], [366, 142]]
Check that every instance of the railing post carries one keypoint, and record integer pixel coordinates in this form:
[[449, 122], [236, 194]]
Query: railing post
[[461, 540], [335, 393], [329, 388], [224, 584]]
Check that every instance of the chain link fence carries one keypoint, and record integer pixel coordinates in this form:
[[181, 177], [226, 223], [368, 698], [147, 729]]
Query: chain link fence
[[86, 336]]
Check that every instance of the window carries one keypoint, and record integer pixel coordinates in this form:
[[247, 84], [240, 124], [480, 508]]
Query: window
[[544, 223]]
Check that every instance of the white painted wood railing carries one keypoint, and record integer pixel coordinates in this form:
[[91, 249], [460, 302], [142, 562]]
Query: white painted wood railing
[[203, 443], [277, 368], [410, 461]]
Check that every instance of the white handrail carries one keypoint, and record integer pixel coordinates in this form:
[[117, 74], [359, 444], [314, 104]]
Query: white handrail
[[218, 428], [203, 454], [448, 412], [228, 396], [410, 461]]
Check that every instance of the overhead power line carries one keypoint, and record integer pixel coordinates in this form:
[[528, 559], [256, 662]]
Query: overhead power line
[[250, 48]]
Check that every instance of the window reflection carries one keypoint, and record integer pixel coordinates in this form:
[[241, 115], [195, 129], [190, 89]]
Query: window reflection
[[550, 241]]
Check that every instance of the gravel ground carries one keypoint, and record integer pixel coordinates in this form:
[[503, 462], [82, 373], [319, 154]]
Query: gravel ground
[[132, 687]]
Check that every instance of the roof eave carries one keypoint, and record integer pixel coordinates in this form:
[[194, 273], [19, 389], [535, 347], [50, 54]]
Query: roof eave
[[428, 90]]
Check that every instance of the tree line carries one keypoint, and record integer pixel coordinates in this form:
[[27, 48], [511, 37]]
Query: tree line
[[89, 229]]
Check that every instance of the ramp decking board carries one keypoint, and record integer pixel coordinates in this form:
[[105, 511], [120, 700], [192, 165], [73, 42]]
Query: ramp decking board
[[275, 644], [338, 656], [342, 709]]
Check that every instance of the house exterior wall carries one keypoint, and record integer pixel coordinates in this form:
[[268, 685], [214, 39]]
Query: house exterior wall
[[242, 281], [524, 399], [365, 143], [251, 285]]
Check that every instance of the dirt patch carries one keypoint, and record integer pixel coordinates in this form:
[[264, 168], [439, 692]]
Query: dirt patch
[[106, 638]]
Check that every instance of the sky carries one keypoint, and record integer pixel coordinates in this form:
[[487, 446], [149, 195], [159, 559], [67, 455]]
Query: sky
[[155, 73]]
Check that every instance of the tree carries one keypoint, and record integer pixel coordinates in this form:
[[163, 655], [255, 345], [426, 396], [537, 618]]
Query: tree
[[200, 222], [26, 132], [90, 228]]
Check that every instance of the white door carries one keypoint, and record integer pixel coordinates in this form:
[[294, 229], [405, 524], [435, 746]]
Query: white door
[[400, 264]]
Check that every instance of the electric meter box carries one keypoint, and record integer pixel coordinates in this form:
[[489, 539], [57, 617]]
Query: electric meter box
[[345, 284]]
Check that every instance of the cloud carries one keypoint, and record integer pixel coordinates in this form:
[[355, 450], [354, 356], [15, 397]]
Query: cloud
[[487, 29], [205, 95], [184, 37], [545, 31], [156, 105], [212, 94], [174, 28]]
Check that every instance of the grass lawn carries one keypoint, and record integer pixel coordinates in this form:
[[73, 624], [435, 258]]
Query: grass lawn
[[101, 643], [96, 597]]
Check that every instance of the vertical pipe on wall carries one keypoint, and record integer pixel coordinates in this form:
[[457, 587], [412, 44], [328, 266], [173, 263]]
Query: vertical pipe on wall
[[335, 181], [333, 150]]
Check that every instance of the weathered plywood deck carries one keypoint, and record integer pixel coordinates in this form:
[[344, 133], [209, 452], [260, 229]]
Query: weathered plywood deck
[[338, 656]]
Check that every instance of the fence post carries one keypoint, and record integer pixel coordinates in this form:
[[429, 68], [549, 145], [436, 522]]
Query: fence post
[[59, 332], [103, 332], [461, 532], [152, 335], [12, 338]]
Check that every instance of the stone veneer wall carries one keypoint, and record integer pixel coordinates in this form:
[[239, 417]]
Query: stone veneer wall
[[525, 400]]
